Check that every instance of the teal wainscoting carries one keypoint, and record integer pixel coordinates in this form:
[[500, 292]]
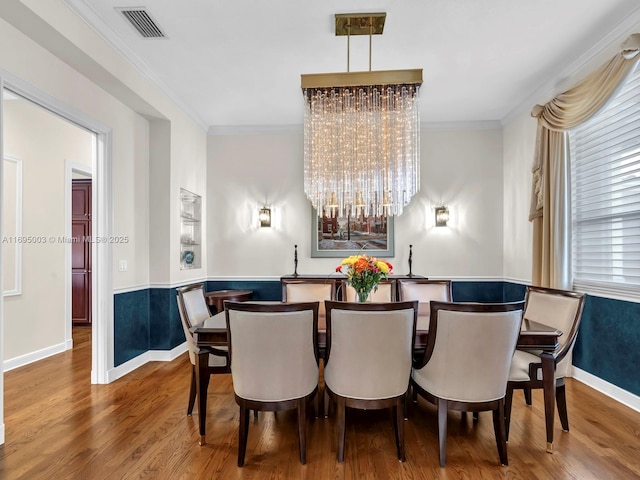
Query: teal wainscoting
[[608, 344], [130, 325]]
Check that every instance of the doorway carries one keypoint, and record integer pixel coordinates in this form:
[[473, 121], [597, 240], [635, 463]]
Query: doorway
[[100, 170], [80, 250]]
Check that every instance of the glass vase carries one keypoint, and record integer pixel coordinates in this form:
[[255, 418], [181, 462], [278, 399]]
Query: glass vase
[[363, 296]]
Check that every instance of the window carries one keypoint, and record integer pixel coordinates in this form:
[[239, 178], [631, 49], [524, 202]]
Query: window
[[605, 182]]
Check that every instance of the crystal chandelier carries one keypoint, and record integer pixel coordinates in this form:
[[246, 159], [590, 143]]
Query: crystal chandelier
[[361, 133]]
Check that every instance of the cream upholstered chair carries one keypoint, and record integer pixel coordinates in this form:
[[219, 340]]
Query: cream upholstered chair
[[559, 309], [274, 361], [424, 291], [466, 363], [194, 310], [309, 290], [368, 360], [385, 293]]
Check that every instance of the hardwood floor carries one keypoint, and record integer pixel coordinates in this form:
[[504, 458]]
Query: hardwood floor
[[59, 426]]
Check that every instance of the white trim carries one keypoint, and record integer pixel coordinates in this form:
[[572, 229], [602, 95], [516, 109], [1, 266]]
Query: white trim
[[2, 434], [221, 130], [458, 126], [27, 358], [564, 79], [146, 357], [18, 229], [610, 390], [102, 287], [517, 280], [69, 168], [86, 12]]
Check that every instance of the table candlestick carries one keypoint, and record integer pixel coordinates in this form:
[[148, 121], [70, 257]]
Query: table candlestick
[[295, 261], [410, 260]]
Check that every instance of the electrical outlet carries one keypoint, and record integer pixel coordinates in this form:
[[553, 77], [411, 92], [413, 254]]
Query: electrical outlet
[[123, 266]]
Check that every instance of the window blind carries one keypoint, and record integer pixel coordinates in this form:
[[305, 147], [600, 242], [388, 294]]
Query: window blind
[[605, 183]]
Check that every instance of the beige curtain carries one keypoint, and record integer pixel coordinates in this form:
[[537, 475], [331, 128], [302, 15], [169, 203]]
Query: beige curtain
[[550, 194]]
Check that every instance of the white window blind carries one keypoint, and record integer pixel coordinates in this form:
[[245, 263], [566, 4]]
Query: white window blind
[[605, 178]]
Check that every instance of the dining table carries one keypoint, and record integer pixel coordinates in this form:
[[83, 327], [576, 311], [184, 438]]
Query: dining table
[[533, 336]]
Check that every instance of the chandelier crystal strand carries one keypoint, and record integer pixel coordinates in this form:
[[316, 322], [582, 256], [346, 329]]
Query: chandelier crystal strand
[[361, 148]]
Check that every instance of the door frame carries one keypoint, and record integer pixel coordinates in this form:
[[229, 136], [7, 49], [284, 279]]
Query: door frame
[[102, 226], [70, 168]]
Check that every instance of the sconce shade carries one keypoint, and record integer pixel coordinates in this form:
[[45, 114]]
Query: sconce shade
[[265, 217], [442, 216]]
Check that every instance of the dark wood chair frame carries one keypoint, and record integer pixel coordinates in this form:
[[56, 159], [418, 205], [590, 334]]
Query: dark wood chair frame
[[443, 405], [212, 350], [314, 280], [527, 386], [395, 403], [342, 289], [405, 281], [300, 404]]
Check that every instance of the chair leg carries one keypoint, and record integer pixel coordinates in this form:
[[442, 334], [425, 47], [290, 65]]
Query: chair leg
[[501, 436], [398, 427], [527, 395], [561, 401], [255, 414], [243, 433], [192, 391], [302, 429], [327, 401], [442, 430], [508, 401], [341, 423], [476, 416]]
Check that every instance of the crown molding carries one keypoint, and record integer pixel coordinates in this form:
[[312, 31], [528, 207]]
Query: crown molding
[[87, 13], [222, 130], [457, 126], [604, 48]]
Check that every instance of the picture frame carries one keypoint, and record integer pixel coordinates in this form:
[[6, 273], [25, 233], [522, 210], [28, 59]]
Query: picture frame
[[333, 237]]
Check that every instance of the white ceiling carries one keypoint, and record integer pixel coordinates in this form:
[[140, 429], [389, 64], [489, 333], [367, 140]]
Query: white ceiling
[[238, 63]]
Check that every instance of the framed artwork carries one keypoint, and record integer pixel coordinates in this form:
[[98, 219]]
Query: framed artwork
[[337, 236]]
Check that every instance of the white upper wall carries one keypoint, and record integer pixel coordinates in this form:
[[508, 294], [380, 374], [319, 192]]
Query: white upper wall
[[462, 169]]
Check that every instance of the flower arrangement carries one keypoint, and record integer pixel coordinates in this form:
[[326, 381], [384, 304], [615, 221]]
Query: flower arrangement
[[364, 273]]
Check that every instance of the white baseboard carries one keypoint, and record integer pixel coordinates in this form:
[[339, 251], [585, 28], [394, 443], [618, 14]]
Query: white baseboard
[[610, 390], [2, 434], [31, 357], [148, 356]]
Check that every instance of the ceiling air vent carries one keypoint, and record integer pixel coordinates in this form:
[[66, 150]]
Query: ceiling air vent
[[142, 22]]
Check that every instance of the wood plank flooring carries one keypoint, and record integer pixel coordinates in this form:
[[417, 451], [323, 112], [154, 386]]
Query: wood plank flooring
[[59, 426]]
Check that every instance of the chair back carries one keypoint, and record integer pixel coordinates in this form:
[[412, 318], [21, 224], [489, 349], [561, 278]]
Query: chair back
[[369, 348], [194, 303], [273, 350], [191, 344], [559, 309], [424, 291], [469, 351], [309, 290], [385, 293]]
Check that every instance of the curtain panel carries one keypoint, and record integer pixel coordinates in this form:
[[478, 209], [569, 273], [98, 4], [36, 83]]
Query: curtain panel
[[550, 209]]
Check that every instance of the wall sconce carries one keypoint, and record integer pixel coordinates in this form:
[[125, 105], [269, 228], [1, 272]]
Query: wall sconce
[[442, 216], [264, 216]]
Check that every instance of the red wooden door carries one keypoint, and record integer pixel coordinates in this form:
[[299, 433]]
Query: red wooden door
[[81, 252]]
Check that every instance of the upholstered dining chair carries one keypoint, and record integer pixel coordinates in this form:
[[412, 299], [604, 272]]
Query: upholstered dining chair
[[193, 310], [424, 291], [466, 363], [274, 361], [368, 360], [385, 293], [559, 309], [309, 290]]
